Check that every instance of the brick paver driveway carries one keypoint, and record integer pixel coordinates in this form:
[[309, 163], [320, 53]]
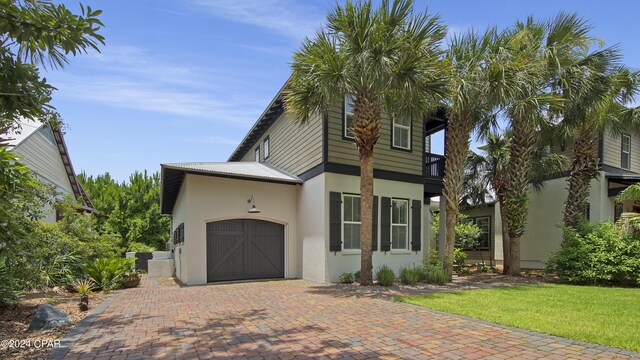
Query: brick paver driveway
[[298, 319]]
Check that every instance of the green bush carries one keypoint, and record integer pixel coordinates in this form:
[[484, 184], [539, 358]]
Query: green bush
[[410, 275], [346, 278], [459, 257], [140, 247], [11, 288], [433, 273], [110, 273], [436, 276], [597, 254], [385, 276], [356, 276]]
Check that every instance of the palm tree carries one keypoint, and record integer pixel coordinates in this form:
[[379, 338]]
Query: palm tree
[[387, 59], [600, 108], [530, 61], [486, 176], [467, 105]]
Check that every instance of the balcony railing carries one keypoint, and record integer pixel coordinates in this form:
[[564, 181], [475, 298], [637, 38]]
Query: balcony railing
[[434, 166]]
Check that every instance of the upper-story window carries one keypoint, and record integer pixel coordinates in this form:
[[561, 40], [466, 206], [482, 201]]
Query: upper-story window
[[347, 118], [265, 147], [625, 155], [399, 224], [401, 133], [351, 222], [258, 154]]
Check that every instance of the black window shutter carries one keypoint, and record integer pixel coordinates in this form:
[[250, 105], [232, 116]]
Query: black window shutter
[[385, 224], [374, 227], [416, 221], [335, 221]]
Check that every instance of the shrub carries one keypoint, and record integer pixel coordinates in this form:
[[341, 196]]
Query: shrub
[[385, 276], [140, 247], [597, 254], [110, 273], [410, 275], [435, 273], [459, 257], [346, 278], [11, 288], [356, 276]]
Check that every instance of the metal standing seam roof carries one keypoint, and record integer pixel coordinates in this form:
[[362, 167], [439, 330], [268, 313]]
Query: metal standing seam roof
[[172, 176], [243, 169]]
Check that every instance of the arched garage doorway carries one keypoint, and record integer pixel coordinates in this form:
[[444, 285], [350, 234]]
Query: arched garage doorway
[[244, 249]]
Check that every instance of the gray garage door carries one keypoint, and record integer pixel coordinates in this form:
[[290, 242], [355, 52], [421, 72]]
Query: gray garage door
[[244, 249]]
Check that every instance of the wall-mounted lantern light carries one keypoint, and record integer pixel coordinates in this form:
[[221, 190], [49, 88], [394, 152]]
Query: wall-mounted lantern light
[[253, 209]]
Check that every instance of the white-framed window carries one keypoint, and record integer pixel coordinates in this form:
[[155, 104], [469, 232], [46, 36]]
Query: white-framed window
[[347, 119], [351, 222], [625, 155], [399, 224], [401, 137], [258, 154], [265, 147]]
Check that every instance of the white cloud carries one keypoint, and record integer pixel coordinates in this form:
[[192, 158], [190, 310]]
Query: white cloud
[[155, 97], [130, 77], [294, 19]]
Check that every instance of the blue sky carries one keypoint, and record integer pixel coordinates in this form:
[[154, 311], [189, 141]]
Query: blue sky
[[184, 80]]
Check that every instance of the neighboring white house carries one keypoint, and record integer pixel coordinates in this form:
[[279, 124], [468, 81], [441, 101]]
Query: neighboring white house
[[43, 150], [619, 167], [287, 204]]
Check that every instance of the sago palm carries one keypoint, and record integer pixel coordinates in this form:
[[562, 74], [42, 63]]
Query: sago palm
[[468, 104], [388, 59]]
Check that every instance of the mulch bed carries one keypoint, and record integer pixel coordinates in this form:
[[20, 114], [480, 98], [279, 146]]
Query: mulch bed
[[15, 319], [472, 281]]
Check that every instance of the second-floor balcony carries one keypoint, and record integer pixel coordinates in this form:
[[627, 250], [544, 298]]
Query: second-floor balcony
[[434, 168]]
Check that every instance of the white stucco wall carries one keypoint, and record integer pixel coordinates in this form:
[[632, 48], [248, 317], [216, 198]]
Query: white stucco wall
[[311, 229], [178, 217], [543, 233], [212, 199], [350, 261]]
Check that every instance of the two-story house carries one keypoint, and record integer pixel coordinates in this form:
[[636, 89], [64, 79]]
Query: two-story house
[[619, 165], [287, 203], [43, 150]]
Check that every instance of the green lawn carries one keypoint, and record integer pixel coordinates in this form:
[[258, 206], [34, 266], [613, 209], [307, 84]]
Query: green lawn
[[607, 316]]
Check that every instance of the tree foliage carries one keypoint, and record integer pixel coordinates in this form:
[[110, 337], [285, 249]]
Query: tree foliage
[[130, 209], [387, 59]]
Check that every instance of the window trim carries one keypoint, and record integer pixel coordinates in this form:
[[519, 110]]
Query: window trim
[[257, 153], [266, 147], [393, 132], [343, 222], [623, 152], [345, 136], [408, 226]]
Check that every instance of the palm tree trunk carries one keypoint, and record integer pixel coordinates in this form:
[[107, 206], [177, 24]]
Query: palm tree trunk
[[506, 244], [456, 151], [366, 212], [366, 124], [584, 167], [516, 196]]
